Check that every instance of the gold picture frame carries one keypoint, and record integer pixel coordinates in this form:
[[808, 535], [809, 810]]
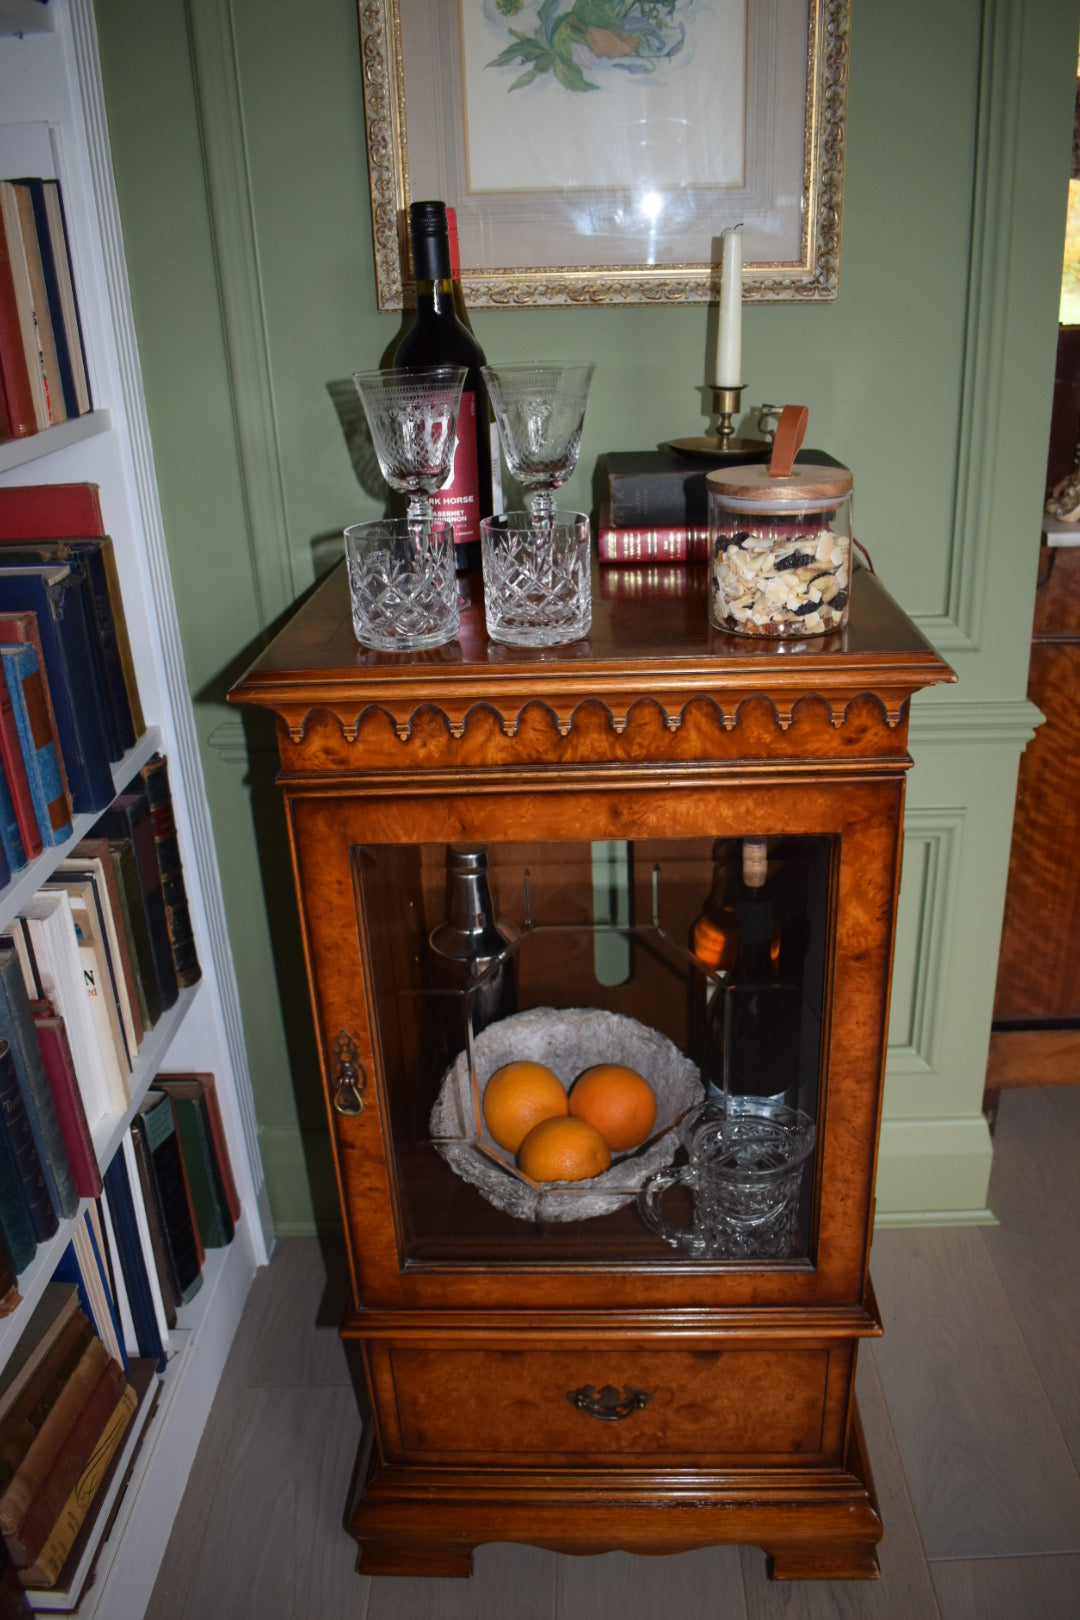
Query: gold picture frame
[[445, 118]]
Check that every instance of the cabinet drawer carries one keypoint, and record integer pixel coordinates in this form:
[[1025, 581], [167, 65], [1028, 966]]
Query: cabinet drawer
[[717, 1406]]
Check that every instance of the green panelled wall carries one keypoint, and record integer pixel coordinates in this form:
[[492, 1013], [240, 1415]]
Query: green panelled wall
[[238, 141]]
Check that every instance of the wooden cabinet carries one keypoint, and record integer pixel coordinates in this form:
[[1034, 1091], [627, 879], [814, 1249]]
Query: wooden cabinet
[[542, 1367]]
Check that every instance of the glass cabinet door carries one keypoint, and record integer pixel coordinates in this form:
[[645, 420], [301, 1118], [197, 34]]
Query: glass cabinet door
[[649, 1017]]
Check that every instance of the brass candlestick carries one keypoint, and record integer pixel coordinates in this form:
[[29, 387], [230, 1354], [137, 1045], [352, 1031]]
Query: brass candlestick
[[721, 441], [726, 403]]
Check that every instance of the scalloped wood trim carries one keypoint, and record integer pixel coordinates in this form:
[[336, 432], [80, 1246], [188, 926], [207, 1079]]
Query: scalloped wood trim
[[298, 717]]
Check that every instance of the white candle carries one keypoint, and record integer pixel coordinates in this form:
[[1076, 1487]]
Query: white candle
[[729, 327]]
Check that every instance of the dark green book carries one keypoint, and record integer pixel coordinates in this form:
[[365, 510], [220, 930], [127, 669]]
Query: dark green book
[[135, 930], [190, 1108], [156, 1123]]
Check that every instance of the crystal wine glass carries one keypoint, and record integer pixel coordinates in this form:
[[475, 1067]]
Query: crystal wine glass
[[412, 415], [540, 410]]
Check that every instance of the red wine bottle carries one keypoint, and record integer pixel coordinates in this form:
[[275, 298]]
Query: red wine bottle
[[435, 338]]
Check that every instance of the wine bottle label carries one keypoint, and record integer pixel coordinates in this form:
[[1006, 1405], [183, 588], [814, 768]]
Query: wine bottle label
[[458, 501]]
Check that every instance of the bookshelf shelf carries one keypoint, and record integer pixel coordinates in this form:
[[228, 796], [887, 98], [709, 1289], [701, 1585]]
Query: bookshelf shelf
[[50, 89], [21, 452]]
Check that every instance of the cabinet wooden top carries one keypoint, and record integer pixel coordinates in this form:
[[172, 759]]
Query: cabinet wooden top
[[653, 648]]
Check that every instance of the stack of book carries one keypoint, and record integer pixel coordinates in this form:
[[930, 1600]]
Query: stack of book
[[653, 520], [69, 698], [87, 967], [43, 371]]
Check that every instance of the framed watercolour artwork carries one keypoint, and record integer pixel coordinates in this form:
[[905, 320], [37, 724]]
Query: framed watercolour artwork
[[595, 150]]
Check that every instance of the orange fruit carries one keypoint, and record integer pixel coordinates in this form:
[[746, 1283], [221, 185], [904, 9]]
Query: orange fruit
[[563, 1150], [617, 1101], [517, 1097]]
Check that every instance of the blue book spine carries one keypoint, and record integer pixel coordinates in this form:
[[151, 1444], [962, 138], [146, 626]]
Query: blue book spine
[[5, 865], [15, 1126], [10, 841], [132, 1260], [69, 1270], [54, 594], [20, 661]]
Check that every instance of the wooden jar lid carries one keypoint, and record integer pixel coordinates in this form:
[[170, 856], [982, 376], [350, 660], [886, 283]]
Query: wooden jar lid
[[804, 484]]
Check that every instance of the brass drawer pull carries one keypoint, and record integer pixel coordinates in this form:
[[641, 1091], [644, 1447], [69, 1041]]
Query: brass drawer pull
[[347, 1077], [609, 1404]]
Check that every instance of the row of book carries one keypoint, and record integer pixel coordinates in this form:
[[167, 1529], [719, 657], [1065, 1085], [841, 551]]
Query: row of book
[[64, 1412], [101, 1332], [69, 697], [43, 371], [87, 968]]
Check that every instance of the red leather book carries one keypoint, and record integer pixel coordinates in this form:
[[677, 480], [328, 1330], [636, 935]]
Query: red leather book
[[50, 512], [67, 1099]]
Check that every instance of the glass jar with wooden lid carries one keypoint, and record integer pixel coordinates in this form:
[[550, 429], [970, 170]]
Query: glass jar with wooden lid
[[780, 548]]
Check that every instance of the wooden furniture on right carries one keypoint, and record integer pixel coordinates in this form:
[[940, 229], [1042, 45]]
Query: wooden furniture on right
[[1036, 1034]]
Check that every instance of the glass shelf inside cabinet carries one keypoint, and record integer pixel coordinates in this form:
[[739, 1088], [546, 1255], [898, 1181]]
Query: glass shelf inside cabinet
[[656, 956]]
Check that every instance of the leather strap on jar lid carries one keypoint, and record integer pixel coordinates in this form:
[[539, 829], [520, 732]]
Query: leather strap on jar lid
[[790, 432]]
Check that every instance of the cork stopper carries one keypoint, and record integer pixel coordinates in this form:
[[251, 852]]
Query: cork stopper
[[755, 862]]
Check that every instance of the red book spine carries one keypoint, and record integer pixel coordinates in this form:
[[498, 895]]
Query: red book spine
[[68, 1102], [671, 543], [50, 512], [14, 375], [15, 770]]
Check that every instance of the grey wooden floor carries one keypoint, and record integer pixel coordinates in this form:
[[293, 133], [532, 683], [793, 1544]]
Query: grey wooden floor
[[971, 1404]]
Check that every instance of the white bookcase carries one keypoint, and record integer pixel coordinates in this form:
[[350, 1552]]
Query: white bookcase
[[51, 107]]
